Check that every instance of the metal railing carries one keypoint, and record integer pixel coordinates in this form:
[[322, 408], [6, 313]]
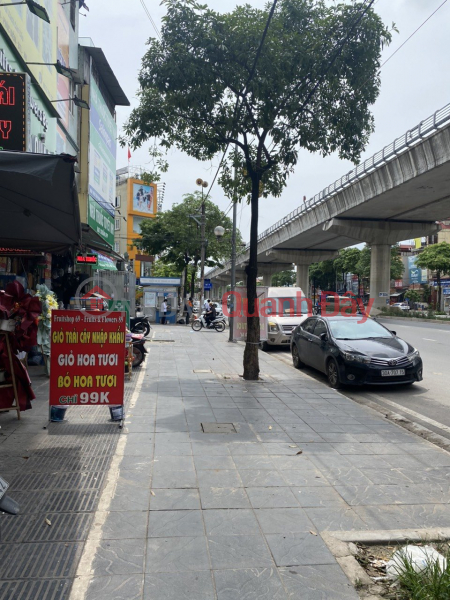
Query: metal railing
[[412, 137]]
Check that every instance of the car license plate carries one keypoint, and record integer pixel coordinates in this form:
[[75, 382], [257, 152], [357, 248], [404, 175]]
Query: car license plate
[[393, 372]]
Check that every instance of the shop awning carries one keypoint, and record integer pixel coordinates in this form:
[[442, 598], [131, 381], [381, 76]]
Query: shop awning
[[104, 262], [38, 201]]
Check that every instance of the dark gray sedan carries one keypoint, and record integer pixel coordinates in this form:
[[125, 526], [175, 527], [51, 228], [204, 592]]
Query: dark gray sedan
[[355, 352]]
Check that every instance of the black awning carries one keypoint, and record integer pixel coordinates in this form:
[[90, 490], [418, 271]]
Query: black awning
[[38, 201]]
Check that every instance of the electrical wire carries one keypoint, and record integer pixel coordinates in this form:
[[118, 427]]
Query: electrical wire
[[413, 33]]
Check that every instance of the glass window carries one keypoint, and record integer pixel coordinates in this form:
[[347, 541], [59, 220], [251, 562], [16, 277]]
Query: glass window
[[117, 224], [116, 246], [117, 201], [351, 329], [308, 325], [320, 328]]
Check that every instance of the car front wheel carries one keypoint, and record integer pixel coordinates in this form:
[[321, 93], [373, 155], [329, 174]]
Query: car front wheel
[[333, 374], [296, 357]]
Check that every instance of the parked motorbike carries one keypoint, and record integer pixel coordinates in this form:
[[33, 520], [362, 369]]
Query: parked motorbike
[[139, 350], [7, 504], [140, 325], [199, 322]]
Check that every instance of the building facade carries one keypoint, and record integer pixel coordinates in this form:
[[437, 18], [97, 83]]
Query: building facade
[[136, 202]]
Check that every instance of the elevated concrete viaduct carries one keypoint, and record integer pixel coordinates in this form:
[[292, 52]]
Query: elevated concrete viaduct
[[399, 193]]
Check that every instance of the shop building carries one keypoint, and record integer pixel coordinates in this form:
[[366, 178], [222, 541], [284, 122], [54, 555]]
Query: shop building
[[136, 202]]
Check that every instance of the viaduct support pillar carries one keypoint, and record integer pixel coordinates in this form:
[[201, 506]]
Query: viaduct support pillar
[[303, 278], [380, 274]]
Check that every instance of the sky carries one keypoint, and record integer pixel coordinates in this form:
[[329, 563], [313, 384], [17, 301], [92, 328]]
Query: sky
[[414, 84]]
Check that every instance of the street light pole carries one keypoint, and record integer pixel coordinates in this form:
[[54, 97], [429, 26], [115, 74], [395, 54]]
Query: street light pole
[[202, 184], [233, 266]]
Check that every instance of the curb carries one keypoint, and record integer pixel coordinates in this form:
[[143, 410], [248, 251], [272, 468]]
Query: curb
[[342, 545], [440, 321]]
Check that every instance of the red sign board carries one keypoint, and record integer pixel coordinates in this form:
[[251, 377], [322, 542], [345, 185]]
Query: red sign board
[[87, 358], [13, 111], [398, 283]]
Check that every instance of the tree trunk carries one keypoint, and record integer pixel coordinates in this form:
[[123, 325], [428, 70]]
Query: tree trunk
[[193, 280], [251, 359]]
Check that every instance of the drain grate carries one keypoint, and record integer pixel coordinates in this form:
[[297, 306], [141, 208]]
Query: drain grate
[[218, 428]]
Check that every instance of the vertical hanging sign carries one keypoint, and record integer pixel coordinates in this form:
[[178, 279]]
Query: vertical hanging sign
[[14, 111], [87, 358]]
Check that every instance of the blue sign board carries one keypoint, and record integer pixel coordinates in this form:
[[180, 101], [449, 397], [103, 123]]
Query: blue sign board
[[416, 275], [207, 285]]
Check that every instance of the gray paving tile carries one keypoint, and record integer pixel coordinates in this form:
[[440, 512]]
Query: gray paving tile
[[193, 585], [165, 479], [230, 522], [175, 554], [318, 497], [261, 478], [300, 548], [119, 587], [175, 523], [175, 449], [238, 551], [249, 584], [321, 582], [214, 462], [174, 463], [281, 448], [254, 448], [283, 520], [204, 449], [335, 519], [307, 476], [390, 516], [275, 497], [224, 498], [220, 478], [119, 557], [123, 501], [175, 499], [249, 461], [120, 525], [430, 515]]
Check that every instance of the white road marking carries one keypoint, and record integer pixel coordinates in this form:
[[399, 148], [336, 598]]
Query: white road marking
[[429, 340], [413, 413], [85, 571]]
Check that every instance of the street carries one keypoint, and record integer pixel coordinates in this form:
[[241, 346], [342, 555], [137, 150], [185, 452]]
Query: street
[[427, 402]]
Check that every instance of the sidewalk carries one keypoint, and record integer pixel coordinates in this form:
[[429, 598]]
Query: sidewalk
[[188, 515]]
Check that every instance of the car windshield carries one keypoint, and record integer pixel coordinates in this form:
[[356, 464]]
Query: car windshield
[[285, 307], [351, 329]]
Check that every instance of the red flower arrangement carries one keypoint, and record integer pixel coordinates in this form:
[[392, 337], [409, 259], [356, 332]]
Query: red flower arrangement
[[25, 310]]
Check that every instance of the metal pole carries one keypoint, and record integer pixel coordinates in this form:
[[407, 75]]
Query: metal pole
[[202, 256], [233, 263]]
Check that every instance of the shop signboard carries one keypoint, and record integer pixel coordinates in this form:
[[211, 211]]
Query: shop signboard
[[120, 306], [416, 275], [240, 314], [86, 259], [207, 285], [87, 358], [101, 221], [150, 299], [164, 281], [143, 198], [102, 151], [14, 111], [35, 41]]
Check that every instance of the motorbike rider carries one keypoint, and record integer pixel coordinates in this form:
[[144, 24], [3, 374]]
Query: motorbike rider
[[210, 314]]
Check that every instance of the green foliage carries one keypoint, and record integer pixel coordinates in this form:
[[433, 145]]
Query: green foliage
[[413, 296], [323, 275], [284, 278], [175, 237], [436, 258], [161, 269], [432, 583]]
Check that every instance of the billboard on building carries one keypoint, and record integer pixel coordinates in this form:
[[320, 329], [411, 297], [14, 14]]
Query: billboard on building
[[102, 159], [416, 275], [144, 199], [35, 41]]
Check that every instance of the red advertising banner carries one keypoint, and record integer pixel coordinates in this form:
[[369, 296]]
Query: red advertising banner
[[87, 364]]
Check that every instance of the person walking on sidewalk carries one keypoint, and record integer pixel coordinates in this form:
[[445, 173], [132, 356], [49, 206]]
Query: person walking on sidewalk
[[163, 312], [189, 307]]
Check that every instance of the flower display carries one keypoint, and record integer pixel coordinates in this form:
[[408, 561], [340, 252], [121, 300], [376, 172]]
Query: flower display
[[48, 303], [24, 309]]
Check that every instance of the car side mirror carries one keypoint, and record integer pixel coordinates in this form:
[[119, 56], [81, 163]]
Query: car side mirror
[[323, 337], [393, 332]]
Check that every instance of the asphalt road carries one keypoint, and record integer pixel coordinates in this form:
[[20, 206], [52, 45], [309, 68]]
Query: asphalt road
[[427, 402]]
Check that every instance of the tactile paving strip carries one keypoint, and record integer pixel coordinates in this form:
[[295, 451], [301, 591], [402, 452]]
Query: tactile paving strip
[[61, 481]]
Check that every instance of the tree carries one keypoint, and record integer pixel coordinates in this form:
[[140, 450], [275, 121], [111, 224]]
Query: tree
[[161, 269], [283, 278], [297, 74], [436, 258], [323, 275], [413, 296], [175, 237], [347, 262]]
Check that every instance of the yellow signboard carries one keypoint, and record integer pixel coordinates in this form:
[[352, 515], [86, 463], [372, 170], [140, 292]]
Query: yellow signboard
[[35, 40], [418, 242]]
